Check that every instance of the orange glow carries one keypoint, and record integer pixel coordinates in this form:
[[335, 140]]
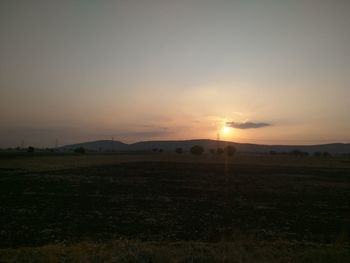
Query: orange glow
[[226, 130]]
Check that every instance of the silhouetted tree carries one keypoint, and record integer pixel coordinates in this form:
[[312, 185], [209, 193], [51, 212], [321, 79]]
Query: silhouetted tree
[[317, 154], [50, 150], [160, 150], [30, 149], [80, 150], [178, 150], [212, 151], [230, 150], [219, 151], [272, 152], [326, 154], [298, 153], [197, 150]]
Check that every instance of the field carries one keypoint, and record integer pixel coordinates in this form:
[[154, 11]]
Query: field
[[176, 208]]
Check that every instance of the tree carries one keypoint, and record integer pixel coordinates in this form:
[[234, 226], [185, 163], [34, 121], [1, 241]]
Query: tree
[[326, 154], [298, 153], [178, 150], [317, 154], [219, 151], [212, 151], [197, 150], [30, 149], [230, 150], [80, 150]]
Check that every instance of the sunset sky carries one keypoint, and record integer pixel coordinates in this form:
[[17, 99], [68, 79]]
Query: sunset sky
[[272, 72]]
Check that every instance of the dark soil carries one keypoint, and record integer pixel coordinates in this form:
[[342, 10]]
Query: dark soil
[[174, 201]]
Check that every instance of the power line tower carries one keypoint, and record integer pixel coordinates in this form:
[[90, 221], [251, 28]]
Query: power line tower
[[56, 143]]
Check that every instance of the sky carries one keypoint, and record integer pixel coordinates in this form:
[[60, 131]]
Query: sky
[[263, 71]]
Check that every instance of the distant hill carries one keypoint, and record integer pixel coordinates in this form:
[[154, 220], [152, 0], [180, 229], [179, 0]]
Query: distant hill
[[109, 145], [333, 148]]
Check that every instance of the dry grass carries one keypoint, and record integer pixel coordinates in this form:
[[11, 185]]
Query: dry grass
[[135, 251]]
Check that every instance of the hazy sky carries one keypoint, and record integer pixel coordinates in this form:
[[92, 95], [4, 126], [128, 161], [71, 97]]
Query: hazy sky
[[277, 72]]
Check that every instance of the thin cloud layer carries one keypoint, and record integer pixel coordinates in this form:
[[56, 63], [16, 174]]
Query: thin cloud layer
[[247, 125], [141, 134]]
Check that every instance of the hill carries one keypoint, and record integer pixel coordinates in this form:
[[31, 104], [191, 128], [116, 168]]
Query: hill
[[109, 145], [106, 145]]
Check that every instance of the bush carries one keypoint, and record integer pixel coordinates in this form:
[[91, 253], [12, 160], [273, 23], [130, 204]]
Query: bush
[[317, 154], [80, 150], [197, 150], [298, 153], [30, 149], [178, 150], [219, 151], [230, 150], [326, 154]]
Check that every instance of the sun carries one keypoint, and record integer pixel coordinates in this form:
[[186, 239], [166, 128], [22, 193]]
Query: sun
[[226, 129]]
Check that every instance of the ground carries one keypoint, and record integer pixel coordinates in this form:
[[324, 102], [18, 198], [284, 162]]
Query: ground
[[174, 203]]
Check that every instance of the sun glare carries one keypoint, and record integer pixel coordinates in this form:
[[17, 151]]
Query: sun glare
[[226, 129]]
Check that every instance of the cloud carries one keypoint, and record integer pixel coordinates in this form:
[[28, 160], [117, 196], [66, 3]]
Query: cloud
[[153, 133], [247, 125]]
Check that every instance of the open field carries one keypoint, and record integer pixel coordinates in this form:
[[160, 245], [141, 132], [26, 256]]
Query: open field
[[245, 250], [283, 207], [51, 162]]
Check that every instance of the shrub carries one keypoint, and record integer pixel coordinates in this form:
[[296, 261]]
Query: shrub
[[219, 151], [80, 150], [30, 149], [326, 154], [178, 150], [298, 153], [317, 154], [230, 150], [197, 150]]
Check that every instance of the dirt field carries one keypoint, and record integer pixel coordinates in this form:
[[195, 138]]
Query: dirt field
[[39, 162], [169, 198]]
